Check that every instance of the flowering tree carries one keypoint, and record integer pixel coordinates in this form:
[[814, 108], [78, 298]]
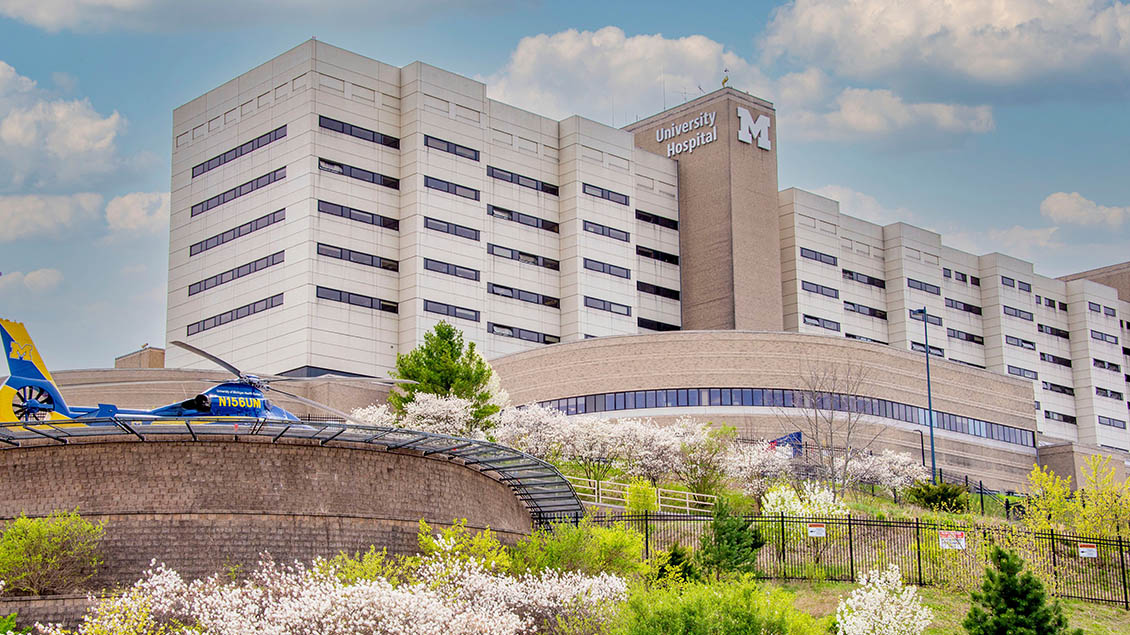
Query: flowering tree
[[373, 414], [813, 501], [703, 454], [881, 605], [647, 450], [533, 429], [591, 442], [755, 466], [442, 415], [894, 470]]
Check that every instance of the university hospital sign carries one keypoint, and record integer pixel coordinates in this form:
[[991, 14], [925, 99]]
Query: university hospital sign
[[748, 130]]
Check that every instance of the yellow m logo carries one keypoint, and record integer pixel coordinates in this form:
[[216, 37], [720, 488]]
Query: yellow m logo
[[21, 351]]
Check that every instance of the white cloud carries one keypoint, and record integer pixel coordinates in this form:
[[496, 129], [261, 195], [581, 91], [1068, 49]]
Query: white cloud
[[993, 42], [1027, 243], [865, 206], [46, 142], [146, 212], [1074, 209], [38, 281], [859, 113], [43, 217]]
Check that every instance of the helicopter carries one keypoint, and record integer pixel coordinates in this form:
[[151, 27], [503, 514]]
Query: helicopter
[[28, 393]]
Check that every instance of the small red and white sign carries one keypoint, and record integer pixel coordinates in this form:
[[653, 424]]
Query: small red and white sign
[[817, 530], [948, 539], [1088, 550]]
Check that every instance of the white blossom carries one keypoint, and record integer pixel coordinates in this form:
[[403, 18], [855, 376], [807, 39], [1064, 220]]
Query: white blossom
[[440, 414], [882, 605], [896, 470], [534, 429], [755, 466], [373, 414], [813, 501]]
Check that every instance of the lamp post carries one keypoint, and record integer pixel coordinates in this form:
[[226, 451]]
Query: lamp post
[[929, 393]]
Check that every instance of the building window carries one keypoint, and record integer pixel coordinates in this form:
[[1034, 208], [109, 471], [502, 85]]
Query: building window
[[1105, 365], [812, 287], [1094, 306], [357, 215], [960, 277], [923, 286], [235, 314], [525, 219], [358, 257], [1023, 372], [963, 306], [604, 230], [604, 267], [1112, 422], [864, 310], [356, 299], [655, 254], [606, 305], [1055, 359], [524, 181], [864, 278], [522, 334], [1109, 311], [813, 320], [451, 188], [1063, 306], [1017, 313], [946, 273], [1056, 416], [853, 336], [451, 310], [237, 192], [1104, 337], [919, 347], [524, 296], [1048, 302], [964, 363], [1023, 286], [1106, 392], [236, 273], [975, 281], [450, 269], [655, 325], [965, 337], [1008, 282], [1051, 330], [608, 195], [656, 219], [237, 232], [236, 152], [358, 132], [654, 289], [1063, 390], [917, 315], [453, 148], [1016, 341], [812, 254], [357, 173], [523, 257], [451, 228]]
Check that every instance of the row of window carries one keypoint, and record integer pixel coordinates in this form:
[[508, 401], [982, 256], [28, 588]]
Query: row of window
[[524, 181], [363, 134], [864, 278], [237, 232], [606, 194], [1018, 284], [522, 256], [607, 305], [655, 254], [522, 334], [813, 320], [963, 306], [450, 310], [454, 229], [656, 325], [1051, 330], [1022, 343], [235, 314], [1105, 365], [654, 289], [812, 254], [1112, 422], [239, 191], [236, 273], [453, 148], [1055, 359], [1050, 303], [1104, 337], [368, 218], [965, 337], [525, 219], [964, 363], [604, 267], [812, 287], [1106, 310], [451, 270], [1061, 389], [1059, 416], [1023, 372], [865, 310], [656, 219], [919, 347], [524, 296], [961, 277], [1018, 313], [604, 230], [784, 398], [358, 257], [923, 286], [451, 188], [853, 336], [919, 315], [356, 299], [358, 173], [1106, 392], [235, 153]]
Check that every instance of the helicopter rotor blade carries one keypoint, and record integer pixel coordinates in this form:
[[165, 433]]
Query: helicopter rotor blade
[[311, 402], [208, 356], [361, 380], [141, 382]]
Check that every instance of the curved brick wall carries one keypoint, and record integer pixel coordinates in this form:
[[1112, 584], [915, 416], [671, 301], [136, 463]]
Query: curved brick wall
[[201, 507]]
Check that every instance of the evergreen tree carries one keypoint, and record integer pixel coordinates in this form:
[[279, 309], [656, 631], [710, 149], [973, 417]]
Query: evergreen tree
[[1014, 602], [444, 366], [731, 544]]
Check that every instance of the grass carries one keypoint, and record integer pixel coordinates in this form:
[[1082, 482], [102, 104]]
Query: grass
[[820, 599]]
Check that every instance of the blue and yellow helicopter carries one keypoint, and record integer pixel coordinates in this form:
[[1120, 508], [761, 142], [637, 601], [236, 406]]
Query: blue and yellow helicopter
[[28, 392]]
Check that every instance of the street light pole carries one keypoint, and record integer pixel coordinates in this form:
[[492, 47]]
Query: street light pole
[[929, 397]]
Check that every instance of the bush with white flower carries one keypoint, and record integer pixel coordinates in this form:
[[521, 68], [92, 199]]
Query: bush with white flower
[[813, 501], [882, 605]]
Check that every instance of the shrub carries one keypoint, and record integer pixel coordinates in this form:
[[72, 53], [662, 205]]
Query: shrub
[[55, 554], [371, 565], [459, 543], [730, 544], [1014, 602], [740, 606], [8, 622], [641, 497], [582, 547], [675, 565], [942, 497], [881, 604]]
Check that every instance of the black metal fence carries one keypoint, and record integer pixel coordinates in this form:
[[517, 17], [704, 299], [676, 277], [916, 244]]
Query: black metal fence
[[948, 556]]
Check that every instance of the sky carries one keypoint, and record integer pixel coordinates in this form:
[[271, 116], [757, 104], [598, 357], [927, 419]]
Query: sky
[[1004, 125]]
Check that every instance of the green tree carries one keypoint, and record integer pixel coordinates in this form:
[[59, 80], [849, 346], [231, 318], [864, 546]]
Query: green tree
[[731, 544], [444, 365], [1014, 602]]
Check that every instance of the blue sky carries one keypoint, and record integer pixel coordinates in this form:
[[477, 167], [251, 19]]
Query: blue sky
[[1002, 124]]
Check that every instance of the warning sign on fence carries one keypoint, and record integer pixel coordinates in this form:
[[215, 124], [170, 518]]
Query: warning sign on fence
[[817, 530], [951, 539], [1087, 550]]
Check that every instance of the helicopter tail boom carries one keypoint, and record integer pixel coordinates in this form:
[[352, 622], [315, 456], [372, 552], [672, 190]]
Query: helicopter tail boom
[[27, 390]]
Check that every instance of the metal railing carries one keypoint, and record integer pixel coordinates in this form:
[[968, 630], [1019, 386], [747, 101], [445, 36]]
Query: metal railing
[[954, 556], [615, 494]]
